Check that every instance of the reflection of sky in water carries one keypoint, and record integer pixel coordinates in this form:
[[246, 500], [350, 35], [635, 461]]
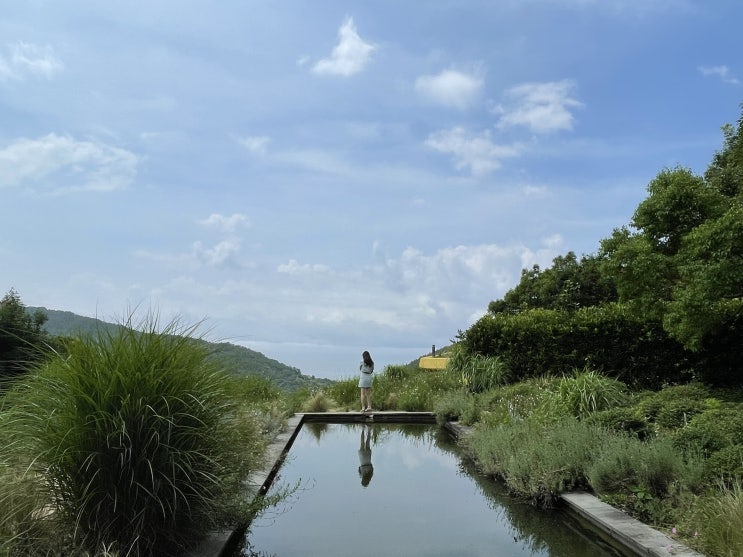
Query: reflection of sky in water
[[419, 502]]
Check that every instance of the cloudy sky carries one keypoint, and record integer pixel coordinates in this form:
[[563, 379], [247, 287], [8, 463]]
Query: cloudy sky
[[315, 179]]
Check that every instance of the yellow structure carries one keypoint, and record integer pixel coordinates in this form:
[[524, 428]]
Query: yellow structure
[[432, 362]]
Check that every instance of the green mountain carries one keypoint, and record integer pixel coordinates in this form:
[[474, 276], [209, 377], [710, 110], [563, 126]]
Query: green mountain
[[236, 358]]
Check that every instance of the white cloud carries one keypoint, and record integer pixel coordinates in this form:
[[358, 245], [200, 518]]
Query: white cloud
[[222, 254], [29, 59], [473, 151], [294, 268], [61, 164], [398, 292], [536, 191], [541, 107], [255, 144], [227, 224], [723, 72], [349, 56], [450, 88]]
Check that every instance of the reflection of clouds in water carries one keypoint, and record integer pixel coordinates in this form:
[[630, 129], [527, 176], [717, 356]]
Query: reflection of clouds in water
[[413, 458]]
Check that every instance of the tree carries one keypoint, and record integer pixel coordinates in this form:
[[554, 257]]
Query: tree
[[21, 335], [725, 172], [709, 294], [683, 263], [644, 263], [678, 202], [568, 285]]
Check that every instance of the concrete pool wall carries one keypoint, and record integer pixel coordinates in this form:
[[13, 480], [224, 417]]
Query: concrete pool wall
[[616, 525]]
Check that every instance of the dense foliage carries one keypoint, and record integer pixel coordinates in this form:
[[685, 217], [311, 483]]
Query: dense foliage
[[661, 301], [22, 335]]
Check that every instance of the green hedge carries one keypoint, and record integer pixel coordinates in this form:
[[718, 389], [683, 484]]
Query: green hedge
[[609, 338]]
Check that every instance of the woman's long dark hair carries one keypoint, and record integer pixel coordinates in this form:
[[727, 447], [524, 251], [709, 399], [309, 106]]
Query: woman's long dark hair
[[367, 358]]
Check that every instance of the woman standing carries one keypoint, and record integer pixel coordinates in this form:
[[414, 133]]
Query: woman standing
[[365, 381]]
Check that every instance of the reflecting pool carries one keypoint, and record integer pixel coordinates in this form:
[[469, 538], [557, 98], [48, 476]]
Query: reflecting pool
[[389, 490]]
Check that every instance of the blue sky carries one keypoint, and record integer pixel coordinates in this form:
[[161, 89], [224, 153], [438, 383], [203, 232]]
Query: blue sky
[[315, 179]]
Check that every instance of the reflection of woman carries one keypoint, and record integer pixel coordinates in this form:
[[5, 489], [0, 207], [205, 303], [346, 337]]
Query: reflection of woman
[[366, 470], [365, 381]]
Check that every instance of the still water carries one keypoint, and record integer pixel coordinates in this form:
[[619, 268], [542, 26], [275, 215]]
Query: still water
[[402, 490]]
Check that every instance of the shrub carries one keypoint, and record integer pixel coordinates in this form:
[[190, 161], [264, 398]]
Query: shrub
[[672, 407], [539, 341], [622, 420], [642, 472], [712, 430], [345, 392], [414, 400], [725, 465], [537, 461], [586, 392], [519, 401], [675, 414], [417, 392], [133, 441], [399, 373], [456, 406], [254, 389], [319, 402]]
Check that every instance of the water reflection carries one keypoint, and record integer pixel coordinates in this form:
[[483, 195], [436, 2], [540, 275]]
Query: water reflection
[[426, 500], [366, 469]]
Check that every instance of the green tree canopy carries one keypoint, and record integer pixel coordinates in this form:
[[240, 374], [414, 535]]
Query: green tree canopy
[[21, 335], [568, 285]]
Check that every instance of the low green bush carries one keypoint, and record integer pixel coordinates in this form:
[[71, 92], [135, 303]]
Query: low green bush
[[534, 460], [519, 401], [318, 402], [712, 429], [131, 442], [625, 464], [399, 372], [456, 406], [253, 389], [345, 393], [674, 406], [725, 465], [587, 391], [627, 419]]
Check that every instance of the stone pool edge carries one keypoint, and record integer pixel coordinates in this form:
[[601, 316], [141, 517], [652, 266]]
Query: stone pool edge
[[625, 530]]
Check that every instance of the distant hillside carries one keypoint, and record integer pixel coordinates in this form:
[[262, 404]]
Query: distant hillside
[[236, 358]]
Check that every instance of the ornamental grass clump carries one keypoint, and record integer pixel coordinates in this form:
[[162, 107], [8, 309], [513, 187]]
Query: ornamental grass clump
[[587, 391], [720, 522], [130, 441]]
